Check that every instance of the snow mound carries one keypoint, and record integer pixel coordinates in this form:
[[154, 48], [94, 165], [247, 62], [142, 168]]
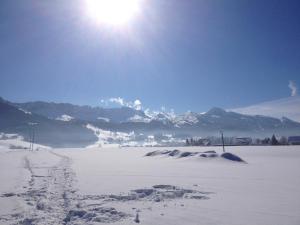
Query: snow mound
[[232, 157], [209, 155], [187, 154], [206, 154], [178, 154], [153, 153], [174, 153]]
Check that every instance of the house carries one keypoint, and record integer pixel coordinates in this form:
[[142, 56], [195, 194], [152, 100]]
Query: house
[[243, 141], [294, 140]]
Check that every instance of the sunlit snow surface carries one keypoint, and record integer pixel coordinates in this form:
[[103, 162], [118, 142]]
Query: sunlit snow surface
[[113, 185]]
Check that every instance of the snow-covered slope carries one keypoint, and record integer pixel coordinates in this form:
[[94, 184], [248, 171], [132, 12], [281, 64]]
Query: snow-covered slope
[[189, 118], [15, 142], [113, 186], [285, 107], [47, 131]]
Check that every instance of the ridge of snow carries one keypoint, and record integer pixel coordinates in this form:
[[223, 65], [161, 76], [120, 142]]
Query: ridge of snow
[[104, 119], [138, 118], [24, 111]]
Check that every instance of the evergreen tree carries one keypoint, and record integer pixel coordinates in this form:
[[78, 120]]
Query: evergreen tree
[[187, 143], [274, 140]]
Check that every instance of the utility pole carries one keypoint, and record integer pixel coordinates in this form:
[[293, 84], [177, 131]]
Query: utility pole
[[223, 141], [32, 137], [32, 134]]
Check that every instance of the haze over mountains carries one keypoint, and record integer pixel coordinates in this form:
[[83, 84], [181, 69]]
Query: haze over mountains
[[288, 107], [65, 125]]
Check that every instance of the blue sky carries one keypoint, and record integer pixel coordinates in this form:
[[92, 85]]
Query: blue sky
[[184, 55]]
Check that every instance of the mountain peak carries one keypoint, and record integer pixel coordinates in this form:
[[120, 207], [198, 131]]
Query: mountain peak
[[216, 111]]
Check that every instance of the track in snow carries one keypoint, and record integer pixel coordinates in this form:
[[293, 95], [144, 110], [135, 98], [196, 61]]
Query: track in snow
[[51, 199]]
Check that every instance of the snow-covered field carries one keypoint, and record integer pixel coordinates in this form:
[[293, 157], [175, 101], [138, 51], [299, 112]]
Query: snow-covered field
[[123, 186]]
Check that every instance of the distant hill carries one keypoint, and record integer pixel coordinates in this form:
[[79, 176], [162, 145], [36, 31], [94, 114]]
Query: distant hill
[[64, 125], [87, 113], [47, 131]]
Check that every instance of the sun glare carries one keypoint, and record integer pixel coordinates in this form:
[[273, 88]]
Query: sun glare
[[113, 12]]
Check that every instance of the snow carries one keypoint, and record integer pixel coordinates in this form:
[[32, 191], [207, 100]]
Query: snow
[[108, 138], [25, 111], [114, 185], [138, 118], [14, 141], [187, 118], [162, 116], [104, 119], [65, 118], [166, 117]]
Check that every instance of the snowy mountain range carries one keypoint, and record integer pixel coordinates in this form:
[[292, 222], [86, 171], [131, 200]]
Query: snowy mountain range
[[51, 132], [57, 110], [63, 124]]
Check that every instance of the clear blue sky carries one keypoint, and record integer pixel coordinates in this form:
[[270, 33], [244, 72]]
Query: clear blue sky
[[181, 54]]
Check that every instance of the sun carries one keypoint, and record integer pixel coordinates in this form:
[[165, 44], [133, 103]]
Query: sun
[[113, 12]]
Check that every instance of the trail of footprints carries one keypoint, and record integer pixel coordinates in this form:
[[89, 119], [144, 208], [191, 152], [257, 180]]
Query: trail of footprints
[[52, 199]]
